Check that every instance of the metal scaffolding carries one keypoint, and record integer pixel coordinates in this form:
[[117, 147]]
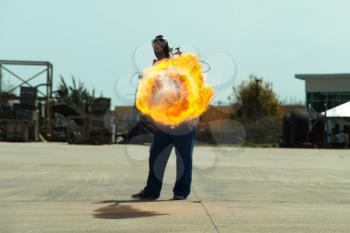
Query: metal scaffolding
[[45, 96]]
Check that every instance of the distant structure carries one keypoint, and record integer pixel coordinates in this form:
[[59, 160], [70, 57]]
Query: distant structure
[[25, 116], [30, 112], [327, 104]]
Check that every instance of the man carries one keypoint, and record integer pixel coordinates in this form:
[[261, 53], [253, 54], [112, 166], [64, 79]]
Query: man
[[181, 137]]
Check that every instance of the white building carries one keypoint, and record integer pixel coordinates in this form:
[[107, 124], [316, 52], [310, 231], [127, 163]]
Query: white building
[[325, 91]]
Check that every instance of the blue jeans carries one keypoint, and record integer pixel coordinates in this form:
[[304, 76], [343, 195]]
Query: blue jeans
[[159, 154]]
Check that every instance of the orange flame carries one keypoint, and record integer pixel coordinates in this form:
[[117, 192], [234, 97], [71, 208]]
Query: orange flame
[[172, 91]]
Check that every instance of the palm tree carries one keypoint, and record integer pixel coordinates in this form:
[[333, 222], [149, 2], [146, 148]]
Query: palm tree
[[75, 94]]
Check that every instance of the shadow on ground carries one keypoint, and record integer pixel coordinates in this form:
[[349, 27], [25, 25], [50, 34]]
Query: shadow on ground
[[118, 211]]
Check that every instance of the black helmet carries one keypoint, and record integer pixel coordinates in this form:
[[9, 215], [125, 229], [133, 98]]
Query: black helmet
[[160, 39]]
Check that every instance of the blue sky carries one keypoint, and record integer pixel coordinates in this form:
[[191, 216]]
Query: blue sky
[[95, 40]]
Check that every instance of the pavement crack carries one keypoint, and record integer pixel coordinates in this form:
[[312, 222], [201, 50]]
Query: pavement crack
[[206, 210]]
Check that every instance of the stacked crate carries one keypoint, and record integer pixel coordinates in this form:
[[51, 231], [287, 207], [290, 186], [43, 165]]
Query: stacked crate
[[101, 105], [20, 123], [97, 127], [28, 96]]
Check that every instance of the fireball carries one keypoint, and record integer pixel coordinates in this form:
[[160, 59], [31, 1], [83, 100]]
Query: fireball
[[173, 91]]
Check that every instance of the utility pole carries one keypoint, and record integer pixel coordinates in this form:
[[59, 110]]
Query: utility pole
[[0, 78]]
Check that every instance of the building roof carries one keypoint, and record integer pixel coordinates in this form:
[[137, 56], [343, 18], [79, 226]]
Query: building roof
[[339, 111], [317, 76]]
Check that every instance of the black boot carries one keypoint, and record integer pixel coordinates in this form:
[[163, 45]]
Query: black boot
[[144, 196]]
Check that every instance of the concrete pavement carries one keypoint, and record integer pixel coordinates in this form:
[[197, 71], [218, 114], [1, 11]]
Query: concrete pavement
[[57, 187]]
